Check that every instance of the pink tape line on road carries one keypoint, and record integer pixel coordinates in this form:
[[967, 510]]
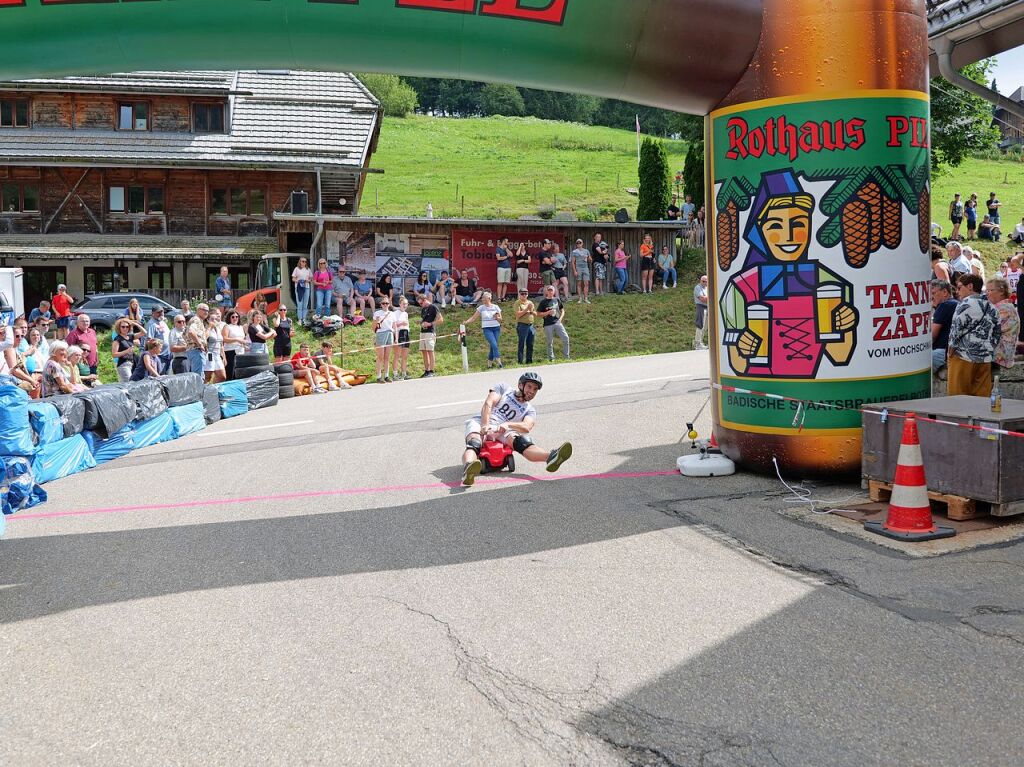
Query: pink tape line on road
[[328, 493]]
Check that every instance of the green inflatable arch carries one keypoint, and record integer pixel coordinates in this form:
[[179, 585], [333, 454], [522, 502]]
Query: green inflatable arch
[[817, 155]]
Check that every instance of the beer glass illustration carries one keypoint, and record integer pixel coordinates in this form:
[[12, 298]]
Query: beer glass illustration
[[759, 323], [827, 300]]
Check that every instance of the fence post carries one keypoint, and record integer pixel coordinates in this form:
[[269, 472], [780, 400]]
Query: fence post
[[465, 349], [456, 191]]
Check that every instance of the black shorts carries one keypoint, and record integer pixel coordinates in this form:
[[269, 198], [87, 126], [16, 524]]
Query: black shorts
[[559, 273], [283, 350], [403, 339], [646, 264], [972, 225], [957, 220]]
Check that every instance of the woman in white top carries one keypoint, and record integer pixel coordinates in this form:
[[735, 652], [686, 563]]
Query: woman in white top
[[401, 353], [490, 320], [215, 363], [302, 276], [234, 341], [384, 337]]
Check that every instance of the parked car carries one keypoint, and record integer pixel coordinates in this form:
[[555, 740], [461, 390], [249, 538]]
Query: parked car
[[104, 308]]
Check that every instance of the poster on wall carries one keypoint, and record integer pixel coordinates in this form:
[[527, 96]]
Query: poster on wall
[[404, 256], [473, 253], [353, 249]]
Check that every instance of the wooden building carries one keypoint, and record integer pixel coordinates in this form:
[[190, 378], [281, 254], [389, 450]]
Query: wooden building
[[1011, 126], [153, 180]]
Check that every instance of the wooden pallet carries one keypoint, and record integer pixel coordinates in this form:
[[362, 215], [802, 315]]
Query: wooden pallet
[[955, 506]]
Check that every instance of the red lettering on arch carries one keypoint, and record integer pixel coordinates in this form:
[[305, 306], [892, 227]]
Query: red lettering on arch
[[552, 13], [455, 6], [11, 2]]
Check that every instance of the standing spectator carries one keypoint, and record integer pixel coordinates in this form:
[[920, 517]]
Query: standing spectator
[[940, 269], [302, 277], [621, 263], [1018, 233], [233, 335], [547, 269], [157, 328], [688, 210], [672, 213], [993, 206], [215, 364], [972, 341], [971, 214], [526, 315], [988, 230], [1013, 274], [944, 306], [466, 293], [522, 268], [958, 262], [385, 289], [697, 230], [283, 335], [195, 339], [186, 309], [332, 373], [559, 264], [303, 366], [667, 262], [62, 309], [401, 329], [599, 255], [43, 310], [430, 318], [178, 346], [998, 293], [581, 271], [322, 279], [260, 332], [125, 347], [343, 290], [383, 339], [84, 337], [490, 321], [647, 264], [700, 306], [223, 287], [956, 216], [504, 261], [445, 290], [423, 287], [364, 294], [55, 378], [552, 310]]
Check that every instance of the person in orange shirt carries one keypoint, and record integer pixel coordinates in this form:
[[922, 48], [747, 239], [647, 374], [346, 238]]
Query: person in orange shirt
[[647, 264], [61, 304], [304, 367]]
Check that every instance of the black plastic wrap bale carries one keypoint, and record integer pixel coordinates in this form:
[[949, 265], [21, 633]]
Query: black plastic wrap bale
[[211, 404], [148, 396], [107, 409], [262, 390], [72, 413], [182, 389]]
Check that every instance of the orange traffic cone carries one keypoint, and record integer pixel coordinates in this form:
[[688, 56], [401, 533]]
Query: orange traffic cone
[[910, 514]]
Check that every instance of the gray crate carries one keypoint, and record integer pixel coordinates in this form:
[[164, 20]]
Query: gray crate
[[957, 461]]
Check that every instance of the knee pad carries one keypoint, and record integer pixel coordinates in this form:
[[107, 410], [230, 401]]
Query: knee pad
[[474, 445], [520, 443]]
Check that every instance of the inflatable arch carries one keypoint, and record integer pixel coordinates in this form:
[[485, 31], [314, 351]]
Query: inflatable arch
[[817, 152]]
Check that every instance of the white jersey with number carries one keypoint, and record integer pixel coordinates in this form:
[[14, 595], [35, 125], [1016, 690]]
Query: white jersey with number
[[509, 408]]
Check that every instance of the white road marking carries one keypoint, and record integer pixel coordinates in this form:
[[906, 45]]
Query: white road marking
[[252, 428], [450, 404], [647, 380]]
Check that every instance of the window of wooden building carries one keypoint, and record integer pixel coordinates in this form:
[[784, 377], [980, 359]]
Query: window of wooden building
[[19, 198], [240, 281], [238, 202], [161, 278], [133, 116], [105, 279], [207, 118], [14, 113], [136, 199]]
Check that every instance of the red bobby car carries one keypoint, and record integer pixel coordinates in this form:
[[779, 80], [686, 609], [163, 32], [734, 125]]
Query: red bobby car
[[495, 456]]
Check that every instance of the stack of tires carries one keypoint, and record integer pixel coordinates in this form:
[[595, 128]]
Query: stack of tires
[[249, 365], [285, 379]]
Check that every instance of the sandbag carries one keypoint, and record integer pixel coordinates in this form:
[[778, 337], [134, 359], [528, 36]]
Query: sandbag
[[148, 396], [188, 419], [261, 390], [118, 445], [15, 431], [46, 422], [62, 459], [156, 430], [20, 489], [233, 399], [107, 409], [182, 389], [72, 413], [211, 404]]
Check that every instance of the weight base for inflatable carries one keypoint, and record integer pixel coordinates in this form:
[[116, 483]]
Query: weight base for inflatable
[[706, 465], [901, 535]]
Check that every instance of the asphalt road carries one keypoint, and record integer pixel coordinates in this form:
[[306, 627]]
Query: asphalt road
[[303, 586]]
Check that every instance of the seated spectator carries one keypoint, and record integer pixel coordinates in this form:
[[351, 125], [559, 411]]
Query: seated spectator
[[55, 378], [35, 351], [332, 373], [466, 293], [152, 366], [998, 292], [989, 231], [422, 287], [385, 288], [977, 267], [304, 367], [1013, 274], [364, 300], [667, 262], [1018, 233], [85, 337], [43, 310], [79, 369], [42, 324], [942, 319], [444, 290], [12, 362], [958, 262], [972, 341], [343, 289]]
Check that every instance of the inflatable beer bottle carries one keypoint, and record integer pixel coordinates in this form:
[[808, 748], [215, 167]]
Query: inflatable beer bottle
[[819, 178]]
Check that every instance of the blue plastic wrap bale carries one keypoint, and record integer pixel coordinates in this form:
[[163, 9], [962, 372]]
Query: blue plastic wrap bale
[[188, 419], [107, 409], [156, 430], [233, 399], [72, 413], [15, 431], [62, 459], [182, 389], [23, 492], [118, 445], [211, 404], [46, 422], [262, 390]]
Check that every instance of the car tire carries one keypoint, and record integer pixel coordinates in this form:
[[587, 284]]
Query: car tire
[[283, 367], [285, 379], [510, 463], [286, 392], [247, 360], [249, 372]]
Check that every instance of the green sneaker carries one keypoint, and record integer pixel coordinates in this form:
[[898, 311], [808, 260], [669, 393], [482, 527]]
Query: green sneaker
[[559, 456], [470, 473]]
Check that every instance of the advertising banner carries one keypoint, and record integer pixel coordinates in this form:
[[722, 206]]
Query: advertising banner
[[474, 253]]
